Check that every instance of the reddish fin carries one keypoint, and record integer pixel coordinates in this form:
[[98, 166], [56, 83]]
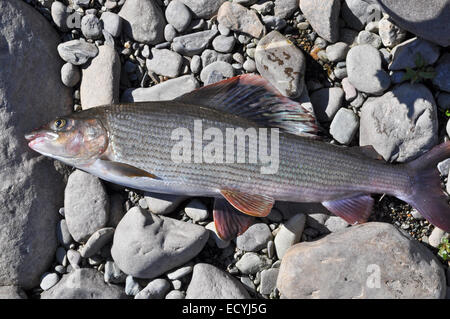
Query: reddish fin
[[229, 222], [253, 97], [427, 195], [354, 210], [250, 204]]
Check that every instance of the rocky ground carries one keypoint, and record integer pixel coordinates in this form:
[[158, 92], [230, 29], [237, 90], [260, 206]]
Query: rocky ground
[[372, 76]]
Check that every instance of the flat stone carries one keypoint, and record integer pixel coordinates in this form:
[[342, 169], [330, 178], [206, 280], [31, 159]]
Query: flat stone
[[167, 90], [91, 27], [327, 102], [179, 272], [401, 124], [344, 126], [390, 34], [280, 62], [203, 8], [353, 263], [404, 55], [156, 289], [97, 240], [196, 210], [335, 223], [165, 62], [268, 281], [178, 15], [285, 8], [112, 23], [224, 68], [349, 90], [224, 44], [366, 37], [254, 238], [77, 52], [147, 245], [49, 280], [323, 17], [209, 56], [209, 282], [238, 18], [193, 43], [289, 234], [251, 263], [337, 52]]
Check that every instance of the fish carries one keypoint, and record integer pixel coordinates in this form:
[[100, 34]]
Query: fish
[[156, 147]]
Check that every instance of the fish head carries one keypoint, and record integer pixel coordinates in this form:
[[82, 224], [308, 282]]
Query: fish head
[[71, 139]]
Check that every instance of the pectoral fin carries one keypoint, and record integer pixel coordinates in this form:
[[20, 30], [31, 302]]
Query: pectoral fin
[[229, 222], [250, 204], [354, 210], [125, 170]]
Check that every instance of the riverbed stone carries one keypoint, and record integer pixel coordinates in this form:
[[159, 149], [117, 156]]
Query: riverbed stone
[[323, 15]]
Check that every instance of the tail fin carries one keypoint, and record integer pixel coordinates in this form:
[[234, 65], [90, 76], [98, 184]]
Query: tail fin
[[428, 197]]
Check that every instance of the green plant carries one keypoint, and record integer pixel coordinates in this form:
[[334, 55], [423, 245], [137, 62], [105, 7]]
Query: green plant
[[444, 249], [420, 72]]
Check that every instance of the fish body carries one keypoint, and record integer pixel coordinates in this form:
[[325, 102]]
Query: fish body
[[137, 145]]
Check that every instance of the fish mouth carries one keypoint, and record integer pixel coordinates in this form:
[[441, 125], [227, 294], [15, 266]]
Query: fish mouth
[[37, 137]]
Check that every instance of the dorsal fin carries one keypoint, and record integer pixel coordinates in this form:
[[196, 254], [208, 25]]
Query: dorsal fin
[[254, 98]]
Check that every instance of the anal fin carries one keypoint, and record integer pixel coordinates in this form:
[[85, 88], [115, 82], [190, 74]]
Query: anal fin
[[354, 210], [229, 222], [250, 204]]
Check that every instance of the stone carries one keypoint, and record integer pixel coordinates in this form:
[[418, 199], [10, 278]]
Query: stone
[[251, 263], [344, 126], [83, 283], [221, 67], [348, 36], [224, 44], [196, 64], [327, 102], [63, 234], [401, 124], [113, 274], [74, 258], [156, 289], [175, 294], [132, 287], [167, 90], [390, 34], [12, 292], [280, 62], [428, 20], [405, 54], [435, 238], [49, 280], [214, 237], [70, 75], [323, 16], [365, 72], [366, 37], [112, 23], [86, 205], [274, 23], [59, 15], [254, 238], [444, 166], [143, 21], [285, 8], [193, 43], [178, 15], [165, 62], [209, 282], [238, 18], [147, 245], [31, 190], [196, 210], [179, 272], [100, 79], [335, 223], [209, 56], [337, 52], [264, 7], [355, 13], [203, 8], [268, 280], [442, 78], [169, 33], [91, 27], [349, 90], [96, 242], [289, 234], [249, 65], [77, 52], [354, 263]]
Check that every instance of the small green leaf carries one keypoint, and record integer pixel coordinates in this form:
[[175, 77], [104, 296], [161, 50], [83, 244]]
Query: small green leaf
[[447, 113]]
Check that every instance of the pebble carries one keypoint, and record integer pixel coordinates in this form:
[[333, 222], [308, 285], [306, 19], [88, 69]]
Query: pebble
[[175, 294], [285, 8], [179, 272], [61, 256], [63, 234], [366, 37], [435, 238], [156, 289], [223, 30], [254, 238], [365, 72], [77, 52], [48, 280], [224, 44], [205, 9], [221, 67], [289, 234], [91, 27], [344, 126], [249, 65], [327, 102], [404, 54], [196, 210], [263, 7], [323, 17], [442, 78], [194, 43], [320, 43], [165, 62], [209, 56], [196, 64], [239, 58], [178, 15], [238, 18], [74, 258], [113, 274], [251, 263], [281, 63], [70, 75], [372, 26], [112, 23], [335, 223], [220, 243], [337, 52], [274, 23], [170, 33], [359, 100], [59, 15], [96, 242], [132, 287], [270, 249], [354, 12], [390, 34], [349, 90], [248, 283], [268, 280]]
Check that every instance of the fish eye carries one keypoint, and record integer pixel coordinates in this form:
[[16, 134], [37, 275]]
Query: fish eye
[[60, 123]]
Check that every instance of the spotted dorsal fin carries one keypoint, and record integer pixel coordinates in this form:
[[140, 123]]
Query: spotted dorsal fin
[[254, 98]]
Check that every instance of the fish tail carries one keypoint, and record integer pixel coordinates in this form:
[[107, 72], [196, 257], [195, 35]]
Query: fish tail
[[427, 195]]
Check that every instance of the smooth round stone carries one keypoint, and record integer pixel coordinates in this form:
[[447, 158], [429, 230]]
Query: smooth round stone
[[435, 238], [390, 34], [169, 33], [163, 204], [179, 272], [223, 30], [132, 287], [48, 280], [289, 234], [196, 64], [349, 90], [70, 75], [74, 258], [196, 210], [165, 62], [366, 37], [59, 15], [112, 23], [254, 238], [405, 54], [337, 52], [193, 43], [224, 68], [96, 242], [178, 15], [344, 126], [156, 289], [91, 27], [224, 44], [249, 65], [62, 233], [113, 274], [239, 58], [268, 280], [77, 52], [251, 263]]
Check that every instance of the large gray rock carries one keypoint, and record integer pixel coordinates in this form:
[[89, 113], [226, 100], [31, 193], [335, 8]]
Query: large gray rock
[[100, 79], [323, 15], [405, 54], [84, 283], [427, 19], [203, 8], [280, 62], [147, 245], [209, 282], [31, 191], [86, 205], [77, 52], [401, 124], [193, 43], [165, 62], [143, 21], [372, 260], [238, 18], [178, 15]]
